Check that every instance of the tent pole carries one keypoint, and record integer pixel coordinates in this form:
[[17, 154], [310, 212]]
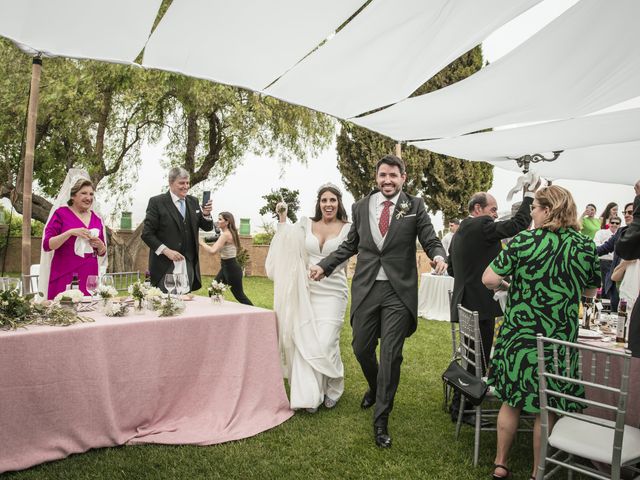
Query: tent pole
[[32, 116]]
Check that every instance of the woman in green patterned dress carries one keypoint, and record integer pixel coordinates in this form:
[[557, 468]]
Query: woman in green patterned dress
[[550, 266]]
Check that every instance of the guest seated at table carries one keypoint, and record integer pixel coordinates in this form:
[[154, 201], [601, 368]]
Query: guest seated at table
[[310, 314], [228, 245], [628, 247], [589, 224], [550, 266], [73, 240], [611, 210]]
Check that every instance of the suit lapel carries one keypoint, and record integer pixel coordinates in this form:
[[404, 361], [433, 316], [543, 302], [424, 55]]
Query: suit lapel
[[374, 235], [395, 222], [173, 211]]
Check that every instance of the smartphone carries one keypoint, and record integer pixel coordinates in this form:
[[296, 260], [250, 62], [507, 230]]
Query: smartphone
[[206, 196]]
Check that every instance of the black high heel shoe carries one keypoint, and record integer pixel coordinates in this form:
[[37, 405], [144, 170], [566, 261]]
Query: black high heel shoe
[[501, 477]]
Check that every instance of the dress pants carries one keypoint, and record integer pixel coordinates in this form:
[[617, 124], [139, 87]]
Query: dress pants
[[231, 274], [381, 315]]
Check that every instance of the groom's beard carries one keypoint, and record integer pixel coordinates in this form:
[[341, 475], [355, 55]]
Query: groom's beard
[[389, 197]]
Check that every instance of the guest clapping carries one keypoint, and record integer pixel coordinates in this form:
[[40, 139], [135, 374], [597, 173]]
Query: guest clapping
[[228, 245], [550, 266], [76, 236]]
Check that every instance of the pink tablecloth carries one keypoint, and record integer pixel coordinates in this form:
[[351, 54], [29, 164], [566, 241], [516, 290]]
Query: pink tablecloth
[[208, 376]]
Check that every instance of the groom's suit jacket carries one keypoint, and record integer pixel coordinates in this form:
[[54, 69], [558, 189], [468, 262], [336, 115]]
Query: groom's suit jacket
[[397, 255], [163, 224]]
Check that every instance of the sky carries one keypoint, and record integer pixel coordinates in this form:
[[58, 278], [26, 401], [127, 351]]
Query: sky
[[242, 193]]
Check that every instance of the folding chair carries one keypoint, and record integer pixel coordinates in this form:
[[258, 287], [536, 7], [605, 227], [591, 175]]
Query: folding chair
[[122, 280], [471, 353], [447, 390], [576, 435]]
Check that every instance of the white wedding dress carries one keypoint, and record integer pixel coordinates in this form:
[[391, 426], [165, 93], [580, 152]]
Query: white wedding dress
[[310, 314]]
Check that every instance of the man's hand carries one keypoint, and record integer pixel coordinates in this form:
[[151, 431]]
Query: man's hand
[[206, 209], [172, 255], [439, 266], [316, 273]]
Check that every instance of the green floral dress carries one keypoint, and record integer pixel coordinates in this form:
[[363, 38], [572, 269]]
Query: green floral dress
[[549, 271]]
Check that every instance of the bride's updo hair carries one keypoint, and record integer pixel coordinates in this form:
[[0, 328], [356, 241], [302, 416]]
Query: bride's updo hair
[[79, 185], [341, 214]]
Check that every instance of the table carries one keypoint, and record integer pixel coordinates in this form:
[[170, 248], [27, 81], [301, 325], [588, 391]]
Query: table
[[433, 296], [210, 375]]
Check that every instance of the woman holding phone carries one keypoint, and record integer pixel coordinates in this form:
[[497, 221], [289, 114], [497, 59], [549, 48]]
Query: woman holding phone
[[228, 245]]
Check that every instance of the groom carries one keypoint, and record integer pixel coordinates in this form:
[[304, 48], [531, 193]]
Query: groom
[[384, 298]]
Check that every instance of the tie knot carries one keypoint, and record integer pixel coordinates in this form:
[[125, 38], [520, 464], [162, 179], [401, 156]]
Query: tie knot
[[387, 203]]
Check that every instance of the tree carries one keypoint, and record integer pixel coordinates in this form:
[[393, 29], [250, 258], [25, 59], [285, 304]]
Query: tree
[[290, 197], [444, 182]]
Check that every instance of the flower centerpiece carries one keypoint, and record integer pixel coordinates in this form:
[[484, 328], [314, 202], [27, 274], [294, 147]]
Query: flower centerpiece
[[69, 298], [153, 297], [216, 291], [18, 311], [169, 306], [106, 294], [138, 292], [116, 309]]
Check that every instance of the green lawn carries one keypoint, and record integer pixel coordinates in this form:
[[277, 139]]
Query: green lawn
[[332, 444]]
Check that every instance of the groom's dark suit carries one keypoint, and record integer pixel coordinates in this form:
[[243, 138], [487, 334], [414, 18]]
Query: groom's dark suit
[[384, 309], [163, 224]]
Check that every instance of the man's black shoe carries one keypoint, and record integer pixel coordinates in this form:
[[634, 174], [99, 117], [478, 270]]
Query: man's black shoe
[[382, 437], [368, 400]]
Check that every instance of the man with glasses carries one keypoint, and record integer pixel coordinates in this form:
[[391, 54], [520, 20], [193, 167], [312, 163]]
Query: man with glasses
[[609, 289], [476, 243]]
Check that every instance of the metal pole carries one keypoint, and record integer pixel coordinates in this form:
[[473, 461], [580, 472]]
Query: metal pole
[[399, 150], [32, 116]]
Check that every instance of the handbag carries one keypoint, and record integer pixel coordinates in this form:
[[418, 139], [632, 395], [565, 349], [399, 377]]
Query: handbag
[[472, 387]]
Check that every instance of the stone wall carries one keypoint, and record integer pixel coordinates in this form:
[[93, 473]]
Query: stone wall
[[209, 264]]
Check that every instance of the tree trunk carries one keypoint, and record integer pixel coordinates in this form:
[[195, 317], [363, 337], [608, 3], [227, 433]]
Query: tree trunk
[[122, 254]]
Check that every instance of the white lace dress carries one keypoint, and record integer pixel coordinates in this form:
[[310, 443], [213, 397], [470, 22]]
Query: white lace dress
[[310, 314]]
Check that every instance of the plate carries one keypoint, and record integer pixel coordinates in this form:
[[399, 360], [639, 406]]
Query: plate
[[187, 298], [583, 333]]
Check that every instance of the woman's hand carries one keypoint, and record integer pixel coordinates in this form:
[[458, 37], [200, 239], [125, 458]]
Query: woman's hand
[[98, 245], [203, 244], [79, 232], [281, 211]]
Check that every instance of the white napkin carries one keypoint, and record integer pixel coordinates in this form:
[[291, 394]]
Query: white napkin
[[529, 178], [501, 297], [82, 245], [180, 267]]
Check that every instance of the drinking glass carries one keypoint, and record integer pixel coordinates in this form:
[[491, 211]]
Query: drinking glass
[[170, 283], [182, 283], [92, 285], [11, 283], [106, 281]]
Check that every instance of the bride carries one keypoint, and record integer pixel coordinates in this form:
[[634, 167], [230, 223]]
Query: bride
[[310, 314]]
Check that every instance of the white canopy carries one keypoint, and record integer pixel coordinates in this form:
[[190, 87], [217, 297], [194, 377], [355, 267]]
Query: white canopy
[[387, 51], [585, 60], [249, 43], [114, 31], [592, 141]]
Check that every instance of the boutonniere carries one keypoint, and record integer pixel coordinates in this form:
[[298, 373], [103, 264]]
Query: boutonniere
[[403, 208]]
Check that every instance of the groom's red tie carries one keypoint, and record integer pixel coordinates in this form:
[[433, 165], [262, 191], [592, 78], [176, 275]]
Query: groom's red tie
[[383, 224]]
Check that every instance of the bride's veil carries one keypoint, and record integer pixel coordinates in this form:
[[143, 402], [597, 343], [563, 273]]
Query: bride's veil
[[73, 175]]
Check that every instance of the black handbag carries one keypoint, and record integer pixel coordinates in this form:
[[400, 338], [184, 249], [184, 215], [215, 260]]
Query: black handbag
[[472, 387]]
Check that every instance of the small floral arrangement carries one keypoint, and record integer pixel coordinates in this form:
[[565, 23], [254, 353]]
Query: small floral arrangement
[[217, 288], [116, 309], [138, 291], [170, 306], [73, 296], [154, 298], [402, 209], [106, 293], [153, 292], [18, 311]]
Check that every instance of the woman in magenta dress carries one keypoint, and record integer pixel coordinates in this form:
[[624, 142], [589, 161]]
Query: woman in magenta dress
[[76, 236]]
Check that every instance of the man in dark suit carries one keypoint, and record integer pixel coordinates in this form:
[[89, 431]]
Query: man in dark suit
[[171, 229], [384, 298], [476, 243]]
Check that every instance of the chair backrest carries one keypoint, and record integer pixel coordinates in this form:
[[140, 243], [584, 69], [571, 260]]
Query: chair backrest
[[564, 362], [30, 283], [454, 329], [122, 280], [470, 344]]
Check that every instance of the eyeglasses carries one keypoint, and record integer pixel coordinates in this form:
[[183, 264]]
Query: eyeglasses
[[614, 223], [628, 212]]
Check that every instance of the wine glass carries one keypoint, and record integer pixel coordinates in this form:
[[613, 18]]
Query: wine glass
[[92, 285], [170, 283], [182, 283], [106, 280]]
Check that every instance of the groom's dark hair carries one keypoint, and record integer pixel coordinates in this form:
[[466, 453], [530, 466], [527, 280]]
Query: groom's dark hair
[[391, 160]]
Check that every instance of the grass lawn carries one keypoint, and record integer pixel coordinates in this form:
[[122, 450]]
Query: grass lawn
[[332, 444]]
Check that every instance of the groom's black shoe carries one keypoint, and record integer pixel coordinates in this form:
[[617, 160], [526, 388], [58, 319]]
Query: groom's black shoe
[[368, 400], [381, 436]]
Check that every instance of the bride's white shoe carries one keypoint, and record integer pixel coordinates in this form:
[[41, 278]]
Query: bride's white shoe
[[329, 403]]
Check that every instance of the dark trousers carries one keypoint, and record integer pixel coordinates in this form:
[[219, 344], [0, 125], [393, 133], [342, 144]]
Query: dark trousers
[[381, 315], [634, 330], [231, 274]]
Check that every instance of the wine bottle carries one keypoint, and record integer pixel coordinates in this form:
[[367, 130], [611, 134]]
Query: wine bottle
[[147, 278], [621, 326], [75, 284]]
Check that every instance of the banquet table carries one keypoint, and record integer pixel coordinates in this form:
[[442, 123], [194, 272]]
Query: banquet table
[[209, 375], [433, 296]]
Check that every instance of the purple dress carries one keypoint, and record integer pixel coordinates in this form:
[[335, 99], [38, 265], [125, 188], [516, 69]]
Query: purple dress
[[65, 262]]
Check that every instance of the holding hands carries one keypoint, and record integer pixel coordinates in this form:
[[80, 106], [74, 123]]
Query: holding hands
[[316, 273]]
